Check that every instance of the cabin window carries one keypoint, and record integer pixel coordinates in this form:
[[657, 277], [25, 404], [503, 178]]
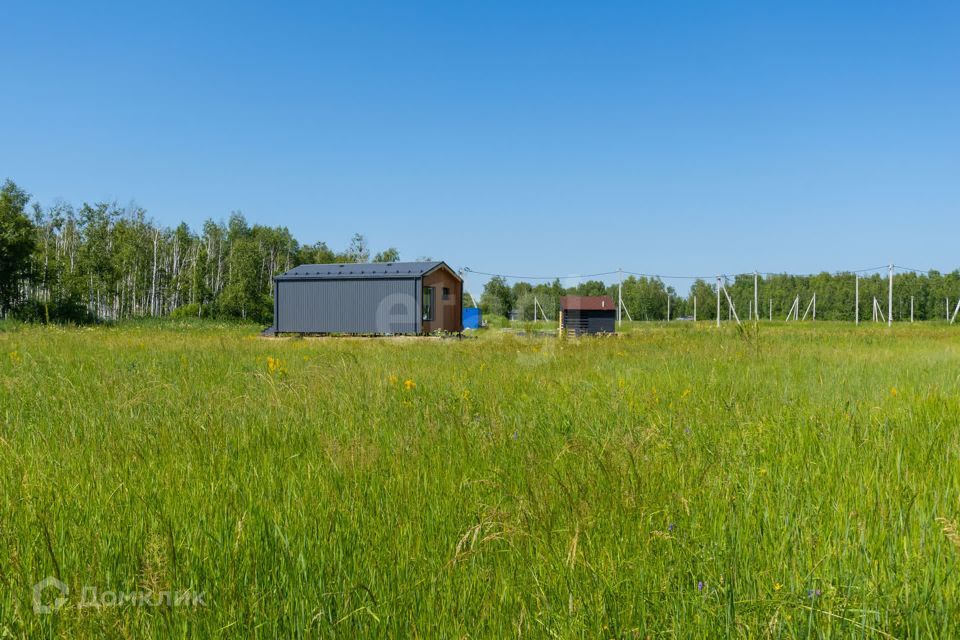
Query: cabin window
[[428, 303], [446, 293]]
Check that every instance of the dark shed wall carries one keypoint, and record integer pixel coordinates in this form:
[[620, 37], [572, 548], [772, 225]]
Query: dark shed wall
[[347, 306], [582, 321]]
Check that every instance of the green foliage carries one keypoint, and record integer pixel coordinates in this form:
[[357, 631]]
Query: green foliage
[[358, 251], [547, 297], [675, 481], [242, 292], [496, 322], [388, 255], [836, 295], [646, 298], [192, 310], [63, 310], [590, 288], [103, 262], [497, 298], [17, 239]]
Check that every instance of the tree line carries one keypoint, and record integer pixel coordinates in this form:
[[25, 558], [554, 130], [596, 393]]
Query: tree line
[[649, 298], [104, 262]]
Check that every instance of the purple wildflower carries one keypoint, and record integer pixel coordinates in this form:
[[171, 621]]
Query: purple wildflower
[[700, 585]]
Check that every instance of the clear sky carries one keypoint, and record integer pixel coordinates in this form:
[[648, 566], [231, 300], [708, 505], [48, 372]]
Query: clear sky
[[530, 138]]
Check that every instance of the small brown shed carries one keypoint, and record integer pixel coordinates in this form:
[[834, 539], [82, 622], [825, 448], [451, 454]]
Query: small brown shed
[[587, 314]]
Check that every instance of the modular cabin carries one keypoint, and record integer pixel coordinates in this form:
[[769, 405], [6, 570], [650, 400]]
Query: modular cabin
[[368, 299], [581, 315]]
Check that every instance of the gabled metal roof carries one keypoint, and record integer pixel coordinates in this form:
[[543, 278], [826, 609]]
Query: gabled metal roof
[[587, 303], [362, 271]]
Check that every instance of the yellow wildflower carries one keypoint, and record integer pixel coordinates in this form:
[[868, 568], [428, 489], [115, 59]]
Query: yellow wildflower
[[893, 391], [392, 379], [777, 586], [409, 384], [275, 367]]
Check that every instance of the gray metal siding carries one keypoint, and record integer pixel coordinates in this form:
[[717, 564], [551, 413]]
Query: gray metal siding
[[347, 306]]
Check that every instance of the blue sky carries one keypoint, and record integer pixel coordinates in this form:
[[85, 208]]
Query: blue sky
[[534, 138]]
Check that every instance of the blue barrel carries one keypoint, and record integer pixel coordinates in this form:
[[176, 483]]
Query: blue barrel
[[471, 318]]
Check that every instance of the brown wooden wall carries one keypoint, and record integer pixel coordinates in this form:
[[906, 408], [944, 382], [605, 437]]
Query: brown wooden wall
[[447, 314]]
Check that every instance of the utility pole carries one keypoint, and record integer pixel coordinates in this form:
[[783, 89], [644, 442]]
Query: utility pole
[[792, 314], [856, 304], [890, 299], [771, 309], [756, 308], [694, 307], [911, 309], [534, 308], [668, 306], [718, 303], [620, 298]]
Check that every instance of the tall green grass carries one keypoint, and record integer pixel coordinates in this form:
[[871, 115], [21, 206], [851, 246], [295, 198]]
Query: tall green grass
[[676, 481]]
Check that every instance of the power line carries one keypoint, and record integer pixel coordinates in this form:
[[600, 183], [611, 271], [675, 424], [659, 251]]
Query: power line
[[911, 269], [667, 277], [672, 277], [567, 277], [811, 275]]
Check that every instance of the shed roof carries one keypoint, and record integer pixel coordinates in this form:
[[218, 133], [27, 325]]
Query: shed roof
[[587, 303], [362, 270]]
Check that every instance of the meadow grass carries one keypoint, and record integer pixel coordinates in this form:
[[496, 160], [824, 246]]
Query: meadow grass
[[675, 481]]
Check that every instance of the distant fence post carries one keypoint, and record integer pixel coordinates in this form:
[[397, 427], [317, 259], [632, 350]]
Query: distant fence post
[[890, 299], [856, 304], [718, 302]]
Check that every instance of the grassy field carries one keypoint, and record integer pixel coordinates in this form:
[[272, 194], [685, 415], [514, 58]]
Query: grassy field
[[789, 481]]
